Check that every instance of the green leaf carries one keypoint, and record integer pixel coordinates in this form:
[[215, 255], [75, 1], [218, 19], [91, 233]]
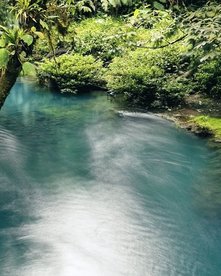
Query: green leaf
[[44, 25], [176, 7], [4, 57], [85, 9], [40, 35], [29, 69], [126, 2], [158, 5], [33, 29], [136, 13], [22, 56], [28, 39], [2, 43], [113, 3], [105, 4]]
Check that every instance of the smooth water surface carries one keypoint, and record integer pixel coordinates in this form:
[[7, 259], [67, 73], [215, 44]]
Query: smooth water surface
[[88, 191]]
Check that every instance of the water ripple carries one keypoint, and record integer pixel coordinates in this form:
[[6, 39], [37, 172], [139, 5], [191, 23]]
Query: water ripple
[[88, 192]]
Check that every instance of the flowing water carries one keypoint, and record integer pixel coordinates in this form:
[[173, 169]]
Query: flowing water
[[89, 191]]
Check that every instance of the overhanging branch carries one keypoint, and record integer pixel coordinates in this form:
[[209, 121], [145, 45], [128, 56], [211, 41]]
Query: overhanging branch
[[165, 45]]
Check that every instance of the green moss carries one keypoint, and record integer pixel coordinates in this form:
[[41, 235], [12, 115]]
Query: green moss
[[211, 123]]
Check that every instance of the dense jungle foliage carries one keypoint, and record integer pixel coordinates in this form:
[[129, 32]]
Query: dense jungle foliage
[[147, 53]]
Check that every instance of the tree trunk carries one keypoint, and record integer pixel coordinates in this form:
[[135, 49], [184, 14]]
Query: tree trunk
[[8, 78]]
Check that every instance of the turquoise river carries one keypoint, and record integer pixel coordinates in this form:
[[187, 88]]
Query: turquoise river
[[87, 189]]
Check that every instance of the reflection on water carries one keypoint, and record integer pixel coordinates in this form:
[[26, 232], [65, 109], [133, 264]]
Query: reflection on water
[[89, 191], [208, 188]]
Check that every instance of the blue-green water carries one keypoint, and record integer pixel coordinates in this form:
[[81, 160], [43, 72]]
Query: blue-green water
[[87, 191]]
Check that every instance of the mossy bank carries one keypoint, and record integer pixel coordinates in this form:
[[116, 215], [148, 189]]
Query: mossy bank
[[200, 115]]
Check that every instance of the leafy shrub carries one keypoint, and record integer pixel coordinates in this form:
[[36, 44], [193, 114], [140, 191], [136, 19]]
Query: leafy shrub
[[108, 5], [208, 78], [72, 73], [148, 77], [104, 38], [174, 89], [203, 29], [108, 37], [4, 11], [149, 18]]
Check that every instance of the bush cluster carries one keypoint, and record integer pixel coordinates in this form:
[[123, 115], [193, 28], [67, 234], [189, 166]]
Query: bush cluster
[[128, 57], [208, 78], [72, 73], [144, 77], [104, 38], [148, 77]]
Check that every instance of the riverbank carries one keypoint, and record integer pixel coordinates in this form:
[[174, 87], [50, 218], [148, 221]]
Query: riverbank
[[200, 115]]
